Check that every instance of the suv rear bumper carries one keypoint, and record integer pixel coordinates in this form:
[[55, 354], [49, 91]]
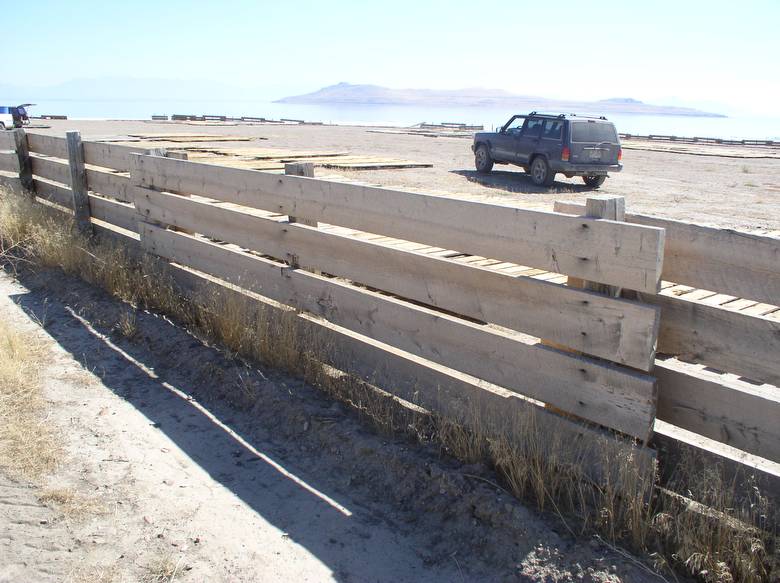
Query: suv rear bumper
[[570, 169]]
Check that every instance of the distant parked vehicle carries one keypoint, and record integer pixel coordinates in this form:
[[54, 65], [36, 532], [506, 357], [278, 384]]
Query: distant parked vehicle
[[14, 116], [545, 145]]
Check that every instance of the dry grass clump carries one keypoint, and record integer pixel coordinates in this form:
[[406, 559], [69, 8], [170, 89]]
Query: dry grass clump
[[728, 536], [163, 569], [29, 448], [70, 504]]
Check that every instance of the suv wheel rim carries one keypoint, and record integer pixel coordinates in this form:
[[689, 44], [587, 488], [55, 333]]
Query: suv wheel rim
[[481, 156], [539, 171]]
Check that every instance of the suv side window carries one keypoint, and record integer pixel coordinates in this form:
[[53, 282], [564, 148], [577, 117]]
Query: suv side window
[[552, 129], [532, 128], [515, 127]]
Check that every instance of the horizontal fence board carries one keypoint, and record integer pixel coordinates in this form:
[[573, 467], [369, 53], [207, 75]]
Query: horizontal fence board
[[494, 411], [47, 145], [109, 184], [54, 193], [598, 250], [7, 141], [604, 394], [9, 162], [723, 339], [110, 155], [723, 260], [615, 329], [731, 412], [116, 213], [51, 170]]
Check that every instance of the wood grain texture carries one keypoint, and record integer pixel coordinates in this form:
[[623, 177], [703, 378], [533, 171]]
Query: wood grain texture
[[723, 339], [78, 182], [24, 161], [604, 251], [53, 192], [9, 162], [736, 413], [7, 141], [738, 263], [48, 145], [619, 330], [109, 184], [117, 213], [110, 155], [50, 169]]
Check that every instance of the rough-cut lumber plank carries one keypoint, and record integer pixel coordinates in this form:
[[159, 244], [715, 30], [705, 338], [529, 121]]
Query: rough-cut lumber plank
[[497, 412], [7, 141], [694, 454], [603, 394], [608, 252], [54, 193], [619, 330], [736, 413], [78, 182], [9, 162], [116, 213], [110, 184], [48, 145], [110, 155], [723, 339], [51, 169], [723, 260], [23, 156], [301, 169]]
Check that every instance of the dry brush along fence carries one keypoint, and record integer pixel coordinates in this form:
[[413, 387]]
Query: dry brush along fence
[[478, 312]]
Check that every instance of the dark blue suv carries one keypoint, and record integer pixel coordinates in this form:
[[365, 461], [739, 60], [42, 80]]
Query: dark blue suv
[[545, 145]]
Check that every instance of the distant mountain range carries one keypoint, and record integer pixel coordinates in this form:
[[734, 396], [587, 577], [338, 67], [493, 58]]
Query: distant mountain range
[[347, 93]]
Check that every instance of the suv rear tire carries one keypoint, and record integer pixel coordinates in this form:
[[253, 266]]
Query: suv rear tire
[[2, 126], [594, 181], [482, 159], [541, 175]]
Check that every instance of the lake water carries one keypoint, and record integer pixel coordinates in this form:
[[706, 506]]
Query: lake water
[[738, 127]]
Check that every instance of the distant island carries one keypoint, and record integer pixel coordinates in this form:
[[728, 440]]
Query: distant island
[[348, 93]]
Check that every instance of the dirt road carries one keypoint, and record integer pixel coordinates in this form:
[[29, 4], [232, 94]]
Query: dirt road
[[728, 192], [162, 475]]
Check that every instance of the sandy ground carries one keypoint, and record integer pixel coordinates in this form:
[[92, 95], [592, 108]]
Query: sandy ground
[[723, 191], [295, 489]]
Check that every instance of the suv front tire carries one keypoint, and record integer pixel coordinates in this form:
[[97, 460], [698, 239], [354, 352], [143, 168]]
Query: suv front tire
[[482, 159], [541, 175]]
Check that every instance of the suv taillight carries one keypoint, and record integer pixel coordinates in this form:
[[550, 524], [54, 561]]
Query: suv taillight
[[620, 154], [565, 154]]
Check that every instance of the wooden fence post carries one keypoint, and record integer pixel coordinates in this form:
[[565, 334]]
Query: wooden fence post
[[78, 182], [301, 169], [609, 207], [25, 164]]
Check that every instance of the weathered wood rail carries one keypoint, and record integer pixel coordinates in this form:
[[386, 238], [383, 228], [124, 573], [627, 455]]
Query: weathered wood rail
[[459, 305]]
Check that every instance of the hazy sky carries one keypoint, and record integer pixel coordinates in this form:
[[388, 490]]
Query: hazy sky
[[689, 52]]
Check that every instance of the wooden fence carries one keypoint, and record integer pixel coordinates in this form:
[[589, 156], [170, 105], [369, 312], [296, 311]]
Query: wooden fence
[[463, 306]]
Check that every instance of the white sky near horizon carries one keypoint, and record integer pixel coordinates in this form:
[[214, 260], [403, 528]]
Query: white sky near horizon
[[716, 55]]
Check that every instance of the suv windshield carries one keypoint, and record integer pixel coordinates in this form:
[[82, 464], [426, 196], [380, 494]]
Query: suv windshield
[[583, 131]]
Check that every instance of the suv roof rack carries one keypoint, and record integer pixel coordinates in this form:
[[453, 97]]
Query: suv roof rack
[[565, 115], [588, 116]]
